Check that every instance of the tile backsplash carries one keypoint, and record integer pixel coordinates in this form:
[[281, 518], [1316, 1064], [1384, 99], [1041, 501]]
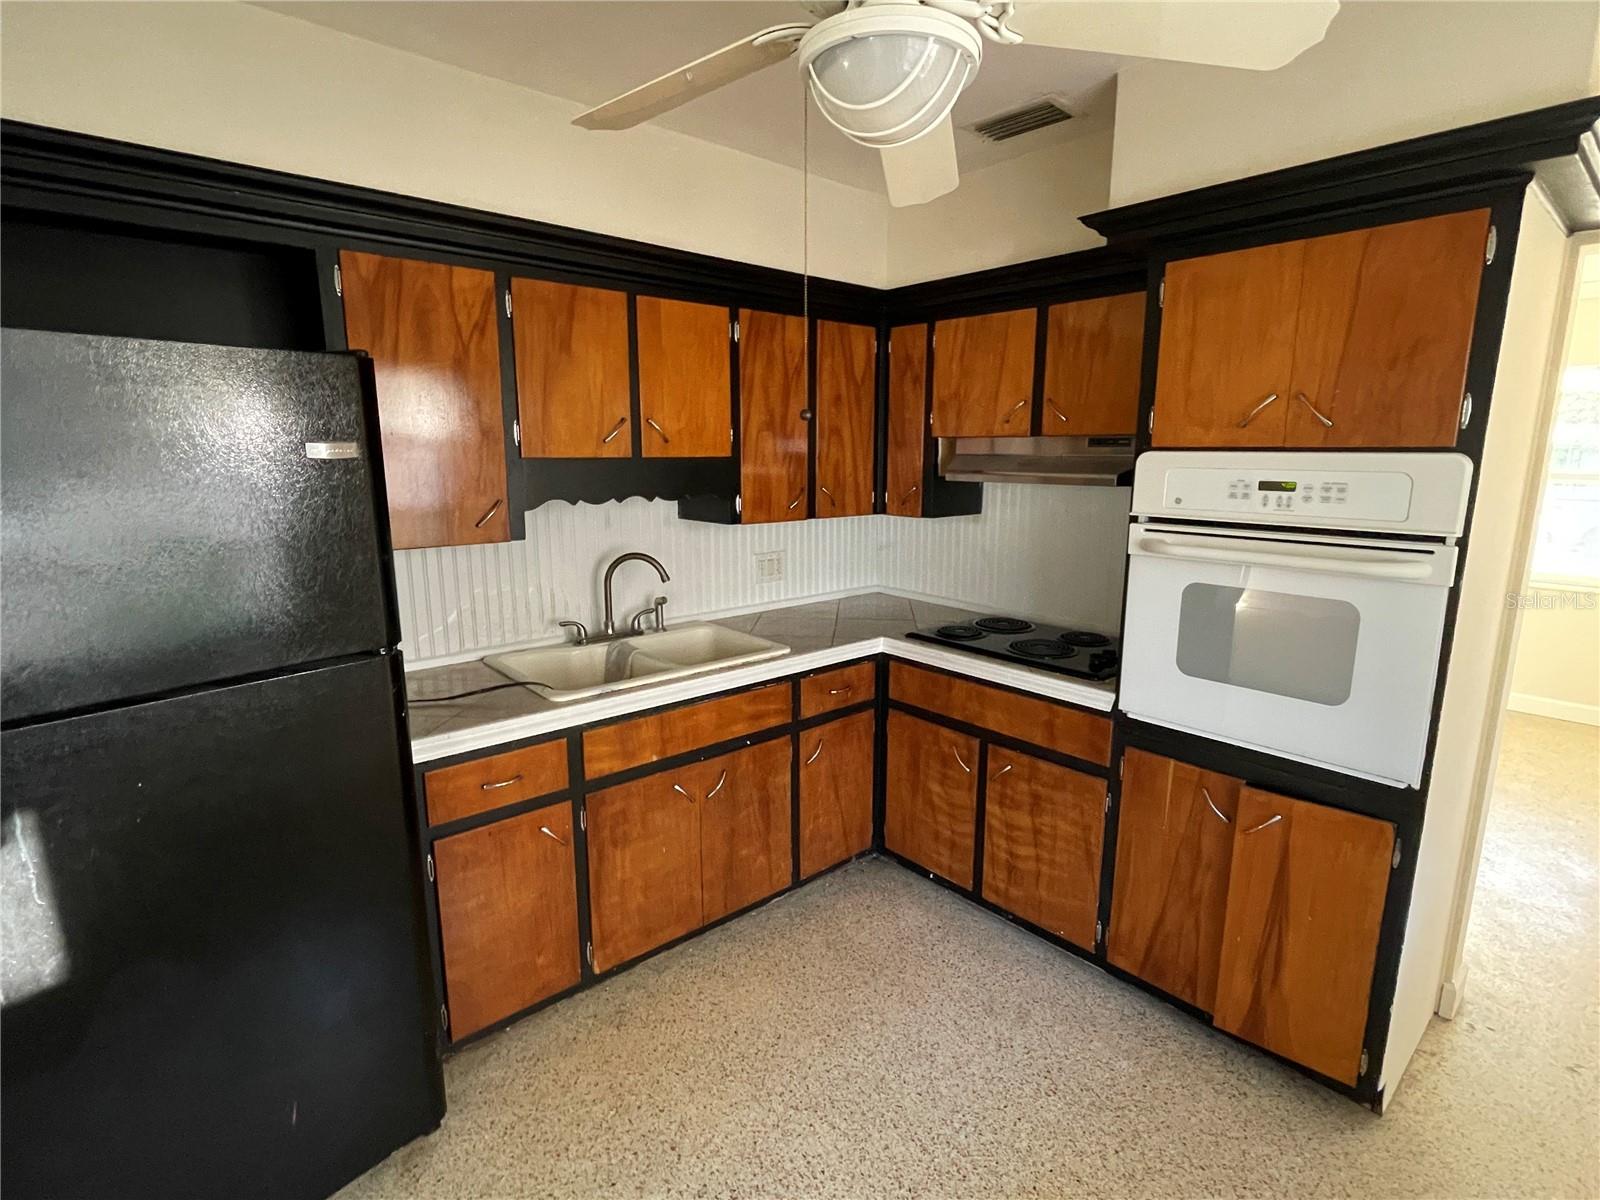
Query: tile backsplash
[[1048, 551]]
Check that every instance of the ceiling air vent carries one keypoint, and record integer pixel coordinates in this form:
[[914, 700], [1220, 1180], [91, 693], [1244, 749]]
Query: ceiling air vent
[[1041, 113]]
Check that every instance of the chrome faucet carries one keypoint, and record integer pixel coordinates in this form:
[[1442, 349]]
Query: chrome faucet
[[610, 629]]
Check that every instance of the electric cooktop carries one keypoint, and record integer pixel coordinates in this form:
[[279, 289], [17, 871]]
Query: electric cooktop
[[1027, 643]]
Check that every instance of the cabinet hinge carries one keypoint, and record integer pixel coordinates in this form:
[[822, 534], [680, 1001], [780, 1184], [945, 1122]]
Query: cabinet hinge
[[1364, 1062], [516, 431], [508, 303], [1099, 933], [1106, 807], [1150, 424], [733, 331], [1491, 246], [430, 868], [738, 505], [1394, 860], [1161, 294], [1466, 408], [583, 816], [338, 281], [444, 1018], [588, 953]]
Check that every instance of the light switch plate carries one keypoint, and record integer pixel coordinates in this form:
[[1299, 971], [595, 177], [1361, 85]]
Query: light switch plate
[[769, 566]]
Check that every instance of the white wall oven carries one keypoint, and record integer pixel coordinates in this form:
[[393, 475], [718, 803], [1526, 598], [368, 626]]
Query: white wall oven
[[1267, 608]]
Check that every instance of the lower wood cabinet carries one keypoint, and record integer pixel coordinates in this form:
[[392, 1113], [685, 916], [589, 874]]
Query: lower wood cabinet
[[1042, 832], [931, 806], [1170, 890], [836, 791], [508, 916], [1306, 892], [685, 846]]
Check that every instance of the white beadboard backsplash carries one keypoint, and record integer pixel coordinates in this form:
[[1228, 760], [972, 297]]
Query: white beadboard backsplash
[[1039, 550]]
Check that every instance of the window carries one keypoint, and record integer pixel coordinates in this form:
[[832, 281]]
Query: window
[[1303, 647], [1566, 545]]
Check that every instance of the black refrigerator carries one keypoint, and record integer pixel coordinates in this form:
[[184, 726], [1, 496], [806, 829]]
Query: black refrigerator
[[214, 966]]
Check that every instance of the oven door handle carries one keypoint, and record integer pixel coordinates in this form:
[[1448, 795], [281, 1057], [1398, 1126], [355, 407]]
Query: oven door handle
[[1343, 560]]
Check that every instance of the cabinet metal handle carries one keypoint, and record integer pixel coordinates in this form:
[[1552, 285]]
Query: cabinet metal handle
[[651, 421], [1001, 772], [1051, 405], [842, 691], [798, 496], [679, 789], [1301, 396], [960, 760], [1272, 820], [484, 520], [1014, 408], [815, 752], [914, 489], [826, 493], [1251, 415], [491, 787], [615, 429], [546, 830], [1221, 816], [721, 779]]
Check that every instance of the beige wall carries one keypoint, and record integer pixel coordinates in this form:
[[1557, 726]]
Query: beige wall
[[237, 82], [1557, 665], [1385, 71]]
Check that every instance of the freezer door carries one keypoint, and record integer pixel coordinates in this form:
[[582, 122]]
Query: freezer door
[[214, 974], [177, 514]]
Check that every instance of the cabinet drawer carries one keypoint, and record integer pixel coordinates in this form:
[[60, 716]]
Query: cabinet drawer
[[473, 787], [837, 689], [1065, 730], [649, 739]]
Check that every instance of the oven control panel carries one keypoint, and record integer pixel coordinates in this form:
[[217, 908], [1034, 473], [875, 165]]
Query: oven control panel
[[1342, 497]]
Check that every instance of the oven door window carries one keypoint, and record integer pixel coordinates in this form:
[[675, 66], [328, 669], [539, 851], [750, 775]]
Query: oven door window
[[1298, 646]]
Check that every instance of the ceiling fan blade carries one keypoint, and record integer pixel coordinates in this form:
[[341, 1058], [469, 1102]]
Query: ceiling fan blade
[[922, 170], [1226, 33], [744, 57]]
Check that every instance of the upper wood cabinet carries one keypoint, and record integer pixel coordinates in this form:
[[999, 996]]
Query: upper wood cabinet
[[983, 375], [836, 791], [1174, 851], [573, 390], [908, 419], [1300, 936], [685, 370], [774, 438], [930, 814], [847, 393], [508, 916], [1352, 339], [432, 331], [1043, 828], [1092, 352]]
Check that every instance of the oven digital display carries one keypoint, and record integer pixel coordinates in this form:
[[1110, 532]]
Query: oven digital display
[[1276, 485]]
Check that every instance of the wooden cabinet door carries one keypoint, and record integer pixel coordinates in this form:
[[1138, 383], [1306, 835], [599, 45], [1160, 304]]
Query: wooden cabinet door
[[835, 792], [774, 442], [847, 391], [508, 916], [1227, 347], [1043, 828], [433, 335], [644, 867], [685, 394], [745, 830], [1170, 890], [572, 369], [931, 809], [1386, 318], [1305, 899], [908, 419], [983, 375], [1092, 352]]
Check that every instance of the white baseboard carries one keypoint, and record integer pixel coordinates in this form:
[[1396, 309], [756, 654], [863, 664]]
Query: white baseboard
[[1561, 710], [1450, 993]]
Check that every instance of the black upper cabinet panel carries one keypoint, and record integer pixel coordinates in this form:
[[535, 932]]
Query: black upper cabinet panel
[[101, 279]]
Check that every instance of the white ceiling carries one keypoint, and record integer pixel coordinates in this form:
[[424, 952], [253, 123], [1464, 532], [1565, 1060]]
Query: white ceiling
[[591, 50]]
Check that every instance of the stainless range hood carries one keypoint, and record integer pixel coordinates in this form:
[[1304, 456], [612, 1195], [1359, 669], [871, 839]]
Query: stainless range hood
[[1085, 461]]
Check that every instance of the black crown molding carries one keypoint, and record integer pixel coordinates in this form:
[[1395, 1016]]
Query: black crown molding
[[1557, 145], [1102, 271], [68, 173]]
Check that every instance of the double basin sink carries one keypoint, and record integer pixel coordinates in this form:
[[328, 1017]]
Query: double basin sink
[[578, 672]]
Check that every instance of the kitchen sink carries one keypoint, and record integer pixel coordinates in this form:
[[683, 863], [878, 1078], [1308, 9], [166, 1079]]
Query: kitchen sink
[[564, 673]]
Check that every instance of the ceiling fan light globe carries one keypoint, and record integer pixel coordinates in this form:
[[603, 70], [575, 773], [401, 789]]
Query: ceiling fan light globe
[[886, 74]]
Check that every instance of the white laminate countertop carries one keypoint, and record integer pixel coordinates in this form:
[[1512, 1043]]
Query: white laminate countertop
[[818, 634]]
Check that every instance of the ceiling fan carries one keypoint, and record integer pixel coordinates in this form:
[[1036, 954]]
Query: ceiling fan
[[886, 73]]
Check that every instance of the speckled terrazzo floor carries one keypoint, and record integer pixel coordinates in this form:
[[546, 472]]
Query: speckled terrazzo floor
[[873, 1035]]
